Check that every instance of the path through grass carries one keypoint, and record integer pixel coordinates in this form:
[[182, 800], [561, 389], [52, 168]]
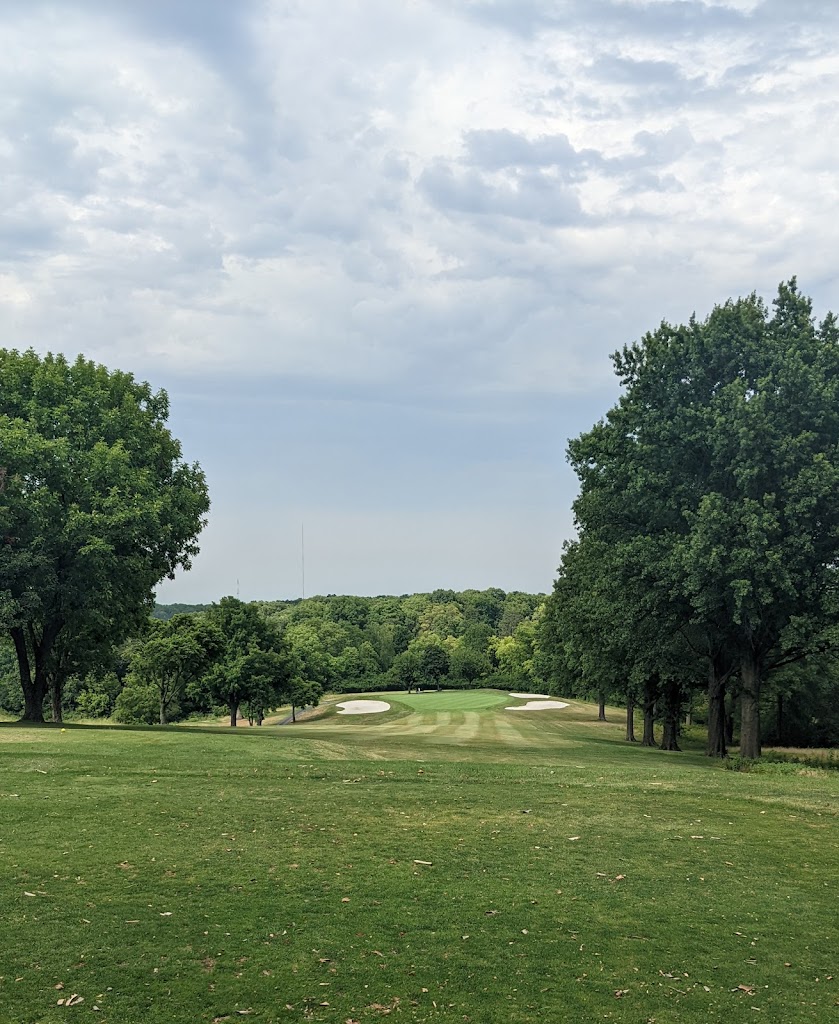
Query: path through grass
[[511, 867]]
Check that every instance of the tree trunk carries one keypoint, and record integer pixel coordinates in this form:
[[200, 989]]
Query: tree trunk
[[162, 709], [650, 697], [260, 718], [729, 719], [56, 686], [234, 713], [779, 706], [33, 702], [672, 704], [750, 704], [293, 715], [34, 687], [630, 719], [601, 708], [34, 690], [716, 710]]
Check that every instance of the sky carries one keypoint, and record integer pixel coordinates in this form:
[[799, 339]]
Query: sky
[[378, 254]]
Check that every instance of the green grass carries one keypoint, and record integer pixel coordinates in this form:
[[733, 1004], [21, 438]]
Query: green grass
[[188, 874], [451, 700]]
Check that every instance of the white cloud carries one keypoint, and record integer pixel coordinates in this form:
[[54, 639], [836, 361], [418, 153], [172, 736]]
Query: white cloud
[[433, 201]]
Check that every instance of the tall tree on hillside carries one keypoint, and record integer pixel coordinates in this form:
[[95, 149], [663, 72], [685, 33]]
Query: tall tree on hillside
[[724, 454], [96, 508]]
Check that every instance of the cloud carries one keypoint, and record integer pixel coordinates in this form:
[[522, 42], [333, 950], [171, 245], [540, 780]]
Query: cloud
[[444, 203]]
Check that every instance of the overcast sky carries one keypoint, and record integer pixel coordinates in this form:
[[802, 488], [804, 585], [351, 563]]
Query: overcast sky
[[378, 251]]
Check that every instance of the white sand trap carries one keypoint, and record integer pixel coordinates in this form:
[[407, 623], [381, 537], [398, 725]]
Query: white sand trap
[[538, 705], [363, 707], [531, 696]]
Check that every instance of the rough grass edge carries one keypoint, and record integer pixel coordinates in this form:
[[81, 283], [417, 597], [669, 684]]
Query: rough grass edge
[[781, 762]]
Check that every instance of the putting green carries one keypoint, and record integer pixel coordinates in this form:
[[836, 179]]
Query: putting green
[[448, 700]]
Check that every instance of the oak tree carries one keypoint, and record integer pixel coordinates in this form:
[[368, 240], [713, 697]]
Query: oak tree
[[97, 506]]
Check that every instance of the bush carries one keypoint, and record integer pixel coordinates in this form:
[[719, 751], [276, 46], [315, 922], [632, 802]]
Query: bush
[[11, 695], [137, 705], [93, 704]]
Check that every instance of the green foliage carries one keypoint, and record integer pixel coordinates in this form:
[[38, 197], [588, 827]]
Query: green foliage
[[708, 501], [254, 665], [172, 655], [97, 508], [93, 704], [167, 611], [137, 704], [776, 763], [11, 697], [361, 644]]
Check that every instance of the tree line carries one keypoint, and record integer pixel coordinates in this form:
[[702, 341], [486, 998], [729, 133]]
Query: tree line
[[250, 658], [702, 583]]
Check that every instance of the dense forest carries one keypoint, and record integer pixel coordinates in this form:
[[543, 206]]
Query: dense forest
[[180, 667], [338, 644]]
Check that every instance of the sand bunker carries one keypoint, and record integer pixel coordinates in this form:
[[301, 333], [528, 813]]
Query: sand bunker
[[539, 704], [531, 696], [363, 707]]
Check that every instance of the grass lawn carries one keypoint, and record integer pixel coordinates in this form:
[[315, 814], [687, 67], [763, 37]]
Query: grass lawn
[[445, 861]]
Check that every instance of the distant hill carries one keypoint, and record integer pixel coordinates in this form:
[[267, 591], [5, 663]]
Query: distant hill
[[166, 611]]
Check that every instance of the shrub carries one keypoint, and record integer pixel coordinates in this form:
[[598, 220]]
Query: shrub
[[137, 705]]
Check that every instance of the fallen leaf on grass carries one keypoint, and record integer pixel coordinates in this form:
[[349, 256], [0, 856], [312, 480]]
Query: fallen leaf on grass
[[748, 989], [59, 986], [573, 839], [345, 899], [621, 992], [428, 863]]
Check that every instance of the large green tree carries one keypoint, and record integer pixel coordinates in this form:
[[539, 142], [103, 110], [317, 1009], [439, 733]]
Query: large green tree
[[97, 506], [254, 664], [172, 655], [722, 456]]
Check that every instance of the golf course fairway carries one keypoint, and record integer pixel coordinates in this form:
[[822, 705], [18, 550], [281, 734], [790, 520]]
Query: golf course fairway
[[446, 860]]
